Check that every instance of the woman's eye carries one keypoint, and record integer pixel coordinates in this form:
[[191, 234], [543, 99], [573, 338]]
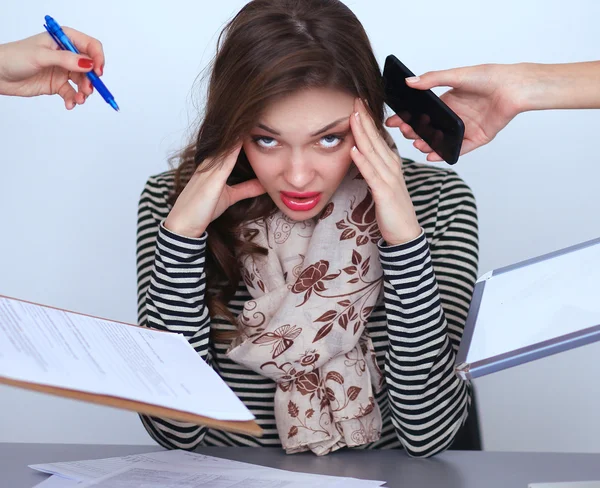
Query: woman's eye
[[330, 141], [266, 142]]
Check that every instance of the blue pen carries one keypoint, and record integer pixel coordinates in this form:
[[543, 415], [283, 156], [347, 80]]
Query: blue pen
[[65, 43]]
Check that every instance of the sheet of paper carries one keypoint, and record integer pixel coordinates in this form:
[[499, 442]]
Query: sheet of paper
[[152, 476], [56, 481], [576, 484], [541, 301], [58, 348], [95, 468]]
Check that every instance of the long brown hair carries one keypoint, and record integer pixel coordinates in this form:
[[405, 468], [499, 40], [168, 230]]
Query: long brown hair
[[270, 49]]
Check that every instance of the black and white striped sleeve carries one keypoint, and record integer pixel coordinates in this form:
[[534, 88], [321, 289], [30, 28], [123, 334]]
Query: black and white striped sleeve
[[171, 287], [427, 289]]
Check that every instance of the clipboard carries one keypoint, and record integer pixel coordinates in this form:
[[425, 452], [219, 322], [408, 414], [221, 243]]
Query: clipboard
[[532, 309], [249, 427]]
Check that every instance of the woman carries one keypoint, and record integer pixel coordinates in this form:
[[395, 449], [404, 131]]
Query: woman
[[325, 281], [36, 66]]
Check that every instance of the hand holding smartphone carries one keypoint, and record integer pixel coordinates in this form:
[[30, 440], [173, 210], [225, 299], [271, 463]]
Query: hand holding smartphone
[[424, 111]]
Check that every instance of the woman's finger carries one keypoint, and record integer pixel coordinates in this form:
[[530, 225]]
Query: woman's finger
[[422, 146], [377, 147], [365, 146], [377, 143], [370, 174], [82, 83], [450, 77], [247, 189], [221, 167], [469, 145], [89, 46], [406, 130], [229, 160], [67, 60], [68, 94], [393, 121]]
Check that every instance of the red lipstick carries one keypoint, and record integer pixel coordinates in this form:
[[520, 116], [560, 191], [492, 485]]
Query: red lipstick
[[300, 202]]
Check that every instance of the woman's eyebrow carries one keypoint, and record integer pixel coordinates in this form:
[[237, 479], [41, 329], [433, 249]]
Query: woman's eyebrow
[[268, 129], [320, 131], [329, 126]]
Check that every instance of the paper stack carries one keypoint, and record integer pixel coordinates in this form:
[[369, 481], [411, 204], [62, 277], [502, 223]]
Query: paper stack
[[182, 469]]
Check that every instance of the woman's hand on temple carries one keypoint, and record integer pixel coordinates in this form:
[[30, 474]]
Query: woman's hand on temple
[[486, 97], [381, 168], [207, 196], [37, 66]]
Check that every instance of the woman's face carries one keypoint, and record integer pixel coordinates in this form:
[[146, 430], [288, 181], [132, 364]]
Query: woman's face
[[300, 149]]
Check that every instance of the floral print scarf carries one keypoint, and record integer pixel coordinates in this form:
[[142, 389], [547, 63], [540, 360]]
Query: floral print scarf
[[304, 327]]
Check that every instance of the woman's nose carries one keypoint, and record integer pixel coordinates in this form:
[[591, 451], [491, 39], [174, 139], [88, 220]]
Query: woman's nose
[[299, 171]]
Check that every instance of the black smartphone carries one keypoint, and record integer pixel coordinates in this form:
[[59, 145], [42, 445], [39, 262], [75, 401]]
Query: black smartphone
[[424, 111]]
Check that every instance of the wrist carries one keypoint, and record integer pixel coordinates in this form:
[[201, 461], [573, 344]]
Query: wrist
[[408, 234], [181, 230], [522, 85]]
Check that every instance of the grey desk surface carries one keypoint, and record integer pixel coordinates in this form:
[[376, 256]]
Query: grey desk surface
[[451, 469]]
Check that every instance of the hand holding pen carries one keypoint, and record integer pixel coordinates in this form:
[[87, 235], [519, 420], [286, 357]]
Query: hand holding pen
[[37, 65]]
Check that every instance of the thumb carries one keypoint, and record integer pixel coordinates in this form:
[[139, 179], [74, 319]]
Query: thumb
[[66, 60], [247, 189], [448, 77]]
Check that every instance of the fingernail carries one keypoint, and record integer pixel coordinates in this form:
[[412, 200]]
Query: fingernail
[[357, 115], [101, 70], [354, 148], [85, 63], [413, 79]]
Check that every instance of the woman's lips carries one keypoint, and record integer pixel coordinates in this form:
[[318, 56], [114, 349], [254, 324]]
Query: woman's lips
[[300, 202]]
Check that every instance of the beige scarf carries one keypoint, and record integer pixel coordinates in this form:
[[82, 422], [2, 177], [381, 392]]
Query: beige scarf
[[305, 326]]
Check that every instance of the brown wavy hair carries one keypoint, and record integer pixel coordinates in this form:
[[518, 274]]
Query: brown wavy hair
[[270, 49]]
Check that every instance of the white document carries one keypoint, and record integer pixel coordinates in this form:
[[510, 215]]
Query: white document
[[169, 476], [538, 302], [576, 484], [96, 468], [531, 310], [63, 349]]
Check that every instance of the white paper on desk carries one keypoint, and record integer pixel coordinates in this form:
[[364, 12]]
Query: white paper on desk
[[576, 484], [63, 349], [151, 476], [94, 468], [201, 461]]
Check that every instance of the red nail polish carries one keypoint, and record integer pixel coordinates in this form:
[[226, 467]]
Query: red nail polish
[[85, 63]]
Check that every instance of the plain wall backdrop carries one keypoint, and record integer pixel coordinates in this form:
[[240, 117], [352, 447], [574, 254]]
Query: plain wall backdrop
[[70, 183]]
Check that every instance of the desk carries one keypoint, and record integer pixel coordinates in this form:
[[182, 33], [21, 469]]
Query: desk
[[452, 469]]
